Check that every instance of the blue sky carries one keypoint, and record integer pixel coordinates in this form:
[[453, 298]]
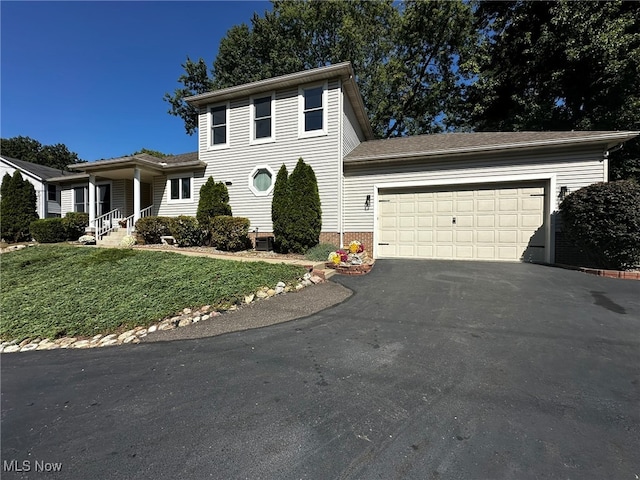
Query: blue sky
[[91, 75]]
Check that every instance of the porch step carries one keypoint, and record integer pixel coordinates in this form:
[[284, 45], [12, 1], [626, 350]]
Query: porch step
[[113, 238]]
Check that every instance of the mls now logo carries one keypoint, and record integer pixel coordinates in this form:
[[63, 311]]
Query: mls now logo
[[28, 466]]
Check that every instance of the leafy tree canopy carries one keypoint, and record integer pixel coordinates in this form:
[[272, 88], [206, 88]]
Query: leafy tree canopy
[[410, 58], [30, 150], [565, 65], [153, 153]]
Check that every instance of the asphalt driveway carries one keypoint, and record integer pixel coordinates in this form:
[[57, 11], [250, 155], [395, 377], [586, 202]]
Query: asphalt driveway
[[431, 370]]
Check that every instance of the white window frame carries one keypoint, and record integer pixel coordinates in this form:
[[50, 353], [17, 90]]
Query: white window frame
[[253, 189], [252, 127], [227, 112], [325, 110], [180, 176], [86, 198]]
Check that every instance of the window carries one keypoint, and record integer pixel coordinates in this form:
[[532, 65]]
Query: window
[[313, 115], [80, 203], [261, 180], [52, 193], [262, 119], [218, 116], [180, 189]]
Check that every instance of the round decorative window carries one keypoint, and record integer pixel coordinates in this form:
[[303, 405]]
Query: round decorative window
[[261, 180]]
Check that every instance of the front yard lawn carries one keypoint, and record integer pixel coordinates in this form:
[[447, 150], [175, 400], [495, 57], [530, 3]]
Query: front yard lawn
[[53, 291]]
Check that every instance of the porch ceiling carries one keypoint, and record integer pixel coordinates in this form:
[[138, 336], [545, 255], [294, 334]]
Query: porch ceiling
[[146, 175]]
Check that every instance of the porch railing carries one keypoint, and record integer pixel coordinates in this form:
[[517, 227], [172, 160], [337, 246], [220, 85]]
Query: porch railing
[[145, 212], [107, 222]]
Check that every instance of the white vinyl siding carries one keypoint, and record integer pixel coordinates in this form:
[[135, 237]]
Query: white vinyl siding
[[352, 134], [574, 170], [236, 164], [164, 207]]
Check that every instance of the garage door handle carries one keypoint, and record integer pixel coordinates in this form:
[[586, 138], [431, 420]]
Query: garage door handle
[[453, 220], [383, 244]]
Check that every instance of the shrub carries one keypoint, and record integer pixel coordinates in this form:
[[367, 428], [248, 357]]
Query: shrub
[[128, 241], [214, 201], [604, 220], [150, 229], [305, 215], [75, 224], [17, 208], [320, 252], [229, 233], [187, 231], [280, 210], [48, 230]]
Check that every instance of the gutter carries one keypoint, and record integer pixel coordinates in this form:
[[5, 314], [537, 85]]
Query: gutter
[[617, 136]]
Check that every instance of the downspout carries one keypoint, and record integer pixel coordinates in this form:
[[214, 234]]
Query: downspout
[[340, 164]]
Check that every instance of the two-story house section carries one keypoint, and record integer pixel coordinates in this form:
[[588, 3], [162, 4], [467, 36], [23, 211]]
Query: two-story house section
[[472, 196], [246, 133]]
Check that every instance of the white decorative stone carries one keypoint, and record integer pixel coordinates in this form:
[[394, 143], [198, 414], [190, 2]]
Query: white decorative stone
[[81, 344], [196, 319], [29, 347], [11, 349], [130, 339], [306, 276], [184, 322], [261, 294], [153, 328], [281, 284], [271, 292], [111, 336], [279, 290], [299, 287], [95, 338], [249, 298], [205, 316], [126, 334], [186, 311], [166, 326], [142, 332], [108, 343]]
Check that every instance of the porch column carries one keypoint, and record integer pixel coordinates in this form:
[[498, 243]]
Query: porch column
[[136, 194], [92, 200]]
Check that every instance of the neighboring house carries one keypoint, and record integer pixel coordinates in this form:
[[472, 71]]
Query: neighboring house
[[46, 181], [489, 196]]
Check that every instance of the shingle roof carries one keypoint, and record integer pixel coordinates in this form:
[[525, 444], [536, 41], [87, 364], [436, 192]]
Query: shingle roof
[[172, 161], [40, 171], [460, 143]]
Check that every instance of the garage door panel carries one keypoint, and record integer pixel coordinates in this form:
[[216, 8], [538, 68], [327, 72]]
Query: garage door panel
[[486, 223]]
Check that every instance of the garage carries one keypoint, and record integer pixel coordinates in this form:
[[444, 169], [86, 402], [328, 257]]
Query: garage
[[498, 222]]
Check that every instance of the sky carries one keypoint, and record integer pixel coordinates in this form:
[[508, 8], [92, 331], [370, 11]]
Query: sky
[[92, 75]]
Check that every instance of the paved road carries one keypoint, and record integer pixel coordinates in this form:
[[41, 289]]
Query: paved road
[[431, 370]]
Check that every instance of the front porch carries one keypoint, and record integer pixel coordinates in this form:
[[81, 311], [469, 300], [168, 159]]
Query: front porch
[[121, 191]]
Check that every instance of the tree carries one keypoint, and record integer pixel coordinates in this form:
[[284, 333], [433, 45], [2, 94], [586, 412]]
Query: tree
[[406, 57], [17, 208], [566, 65], [304, 219], [280, 210], [153, 153], [30, 150], [214, 201]]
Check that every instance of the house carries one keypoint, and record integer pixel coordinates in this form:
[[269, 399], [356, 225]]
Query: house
[[485, 196], [45, 180]]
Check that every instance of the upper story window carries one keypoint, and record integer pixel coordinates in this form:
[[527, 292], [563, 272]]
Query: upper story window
[[262, 119], [313, 111], [180, 189], [219, 126], [52, 193]]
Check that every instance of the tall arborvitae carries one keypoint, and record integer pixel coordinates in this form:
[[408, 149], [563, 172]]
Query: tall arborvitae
[[17, 208], [305, 222], [280, 205]]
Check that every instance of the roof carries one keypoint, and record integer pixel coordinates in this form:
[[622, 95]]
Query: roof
[[343, 71], [143, 160], [40, 171], [421, 146]]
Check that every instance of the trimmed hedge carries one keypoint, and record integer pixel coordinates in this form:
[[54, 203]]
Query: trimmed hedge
[[187, 231], [75, 224], [229, 233], [604, 220], [150, 229], [48, 230]]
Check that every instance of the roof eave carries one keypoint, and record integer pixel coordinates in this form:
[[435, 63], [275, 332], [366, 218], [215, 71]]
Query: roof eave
[[609, 140], [293, 79], [134, 162]]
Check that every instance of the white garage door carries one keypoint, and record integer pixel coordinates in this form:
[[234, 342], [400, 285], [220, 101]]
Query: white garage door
[[504, 222]]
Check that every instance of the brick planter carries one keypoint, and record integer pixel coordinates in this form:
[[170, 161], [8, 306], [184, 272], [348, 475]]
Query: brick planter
[[350, 269]]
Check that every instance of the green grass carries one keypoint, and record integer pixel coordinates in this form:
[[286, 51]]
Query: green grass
[[53, 291]]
